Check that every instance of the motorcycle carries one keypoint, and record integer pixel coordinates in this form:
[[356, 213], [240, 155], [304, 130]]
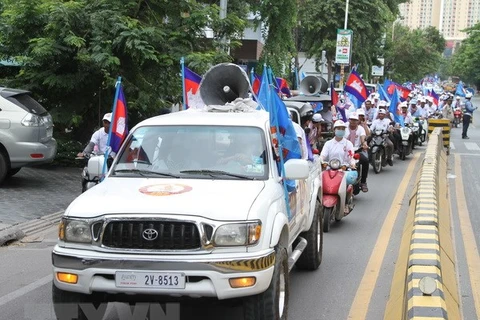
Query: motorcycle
[[457, 117], [407, 142], [92, 172], [338, 183], [377, 148], [421, 134]]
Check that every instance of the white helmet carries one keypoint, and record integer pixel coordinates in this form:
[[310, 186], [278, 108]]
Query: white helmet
[[468, 95], [339, 123]]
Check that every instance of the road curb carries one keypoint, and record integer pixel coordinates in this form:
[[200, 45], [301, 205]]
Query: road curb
[[421, 288], [19, 231]]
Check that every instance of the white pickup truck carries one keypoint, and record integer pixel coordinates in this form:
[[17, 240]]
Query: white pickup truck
[[193, 206]]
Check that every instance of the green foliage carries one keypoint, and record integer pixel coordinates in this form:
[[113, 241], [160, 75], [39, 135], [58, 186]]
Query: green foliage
[[279, 19], [412, 54], [72, 52], [466, 60], [367, 18]]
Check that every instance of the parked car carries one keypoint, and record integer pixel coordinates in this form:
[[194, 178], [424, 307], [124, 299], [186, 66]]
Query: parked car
[[26, 132]]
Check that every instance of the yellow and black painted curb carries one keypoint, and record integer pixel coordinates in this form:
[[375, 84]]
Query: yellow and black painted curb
[[422, 286]]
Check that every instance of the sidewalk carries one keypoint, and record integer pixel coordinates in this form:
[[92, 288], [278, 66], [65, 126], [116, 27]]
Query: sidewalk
[[34, 193]]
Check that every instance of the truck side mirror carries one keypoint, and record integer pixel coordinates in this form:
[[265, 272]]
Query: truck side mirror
[[297, 169]]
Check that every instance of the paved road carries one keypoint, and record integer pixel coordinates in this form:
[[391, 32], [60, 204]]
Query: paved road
[[34, 192], [355, 277], [370, 236]]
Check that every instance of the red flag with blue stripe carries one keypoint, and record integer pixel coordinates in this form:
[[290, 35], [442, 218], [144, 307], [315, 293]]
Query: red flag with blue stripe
[[192, 83]]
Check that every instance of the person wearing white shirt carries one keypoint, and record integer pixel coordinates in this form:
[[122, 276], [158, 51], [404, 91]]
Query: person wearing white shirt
[[357, 136], [338, 147], [99, 138], [383, 123]]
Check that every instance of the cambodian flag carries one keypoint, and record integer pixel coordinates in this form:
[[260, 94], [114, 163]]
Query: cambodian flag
[[435, 96], [119, 125], [192, 83], [356, 87], [282, 86], [390, 86], [256, 84]]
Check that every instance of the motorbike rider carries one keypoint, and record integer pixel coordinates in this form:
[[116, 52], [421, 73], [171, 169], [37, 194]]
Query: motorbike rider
[[370, 111], [339, 148], [363, 122], [467, 115], [357, 136], [99, 138], [383, 123]]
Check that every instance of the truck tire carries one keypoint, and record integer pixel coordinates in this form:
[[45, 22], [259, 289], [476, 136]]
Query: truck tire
[[68, 304], [273, 303], [311, 257], [3, 167]]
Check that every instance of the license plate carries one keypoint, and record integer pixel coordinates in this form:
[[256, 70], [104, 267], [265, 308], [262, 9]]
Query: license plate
[[162, 280]]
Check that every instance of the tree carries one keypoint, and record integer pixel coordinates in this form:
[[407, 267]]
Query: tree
[[367, 18], [411, 54], [72, 51], [466, 60]]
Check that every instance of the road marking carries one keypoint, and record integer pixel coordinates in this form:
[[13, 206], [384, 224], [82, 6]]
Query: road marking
[[472, 146], [361, 302], [452, 146], [24, 290], [468, 154], [471, 251]]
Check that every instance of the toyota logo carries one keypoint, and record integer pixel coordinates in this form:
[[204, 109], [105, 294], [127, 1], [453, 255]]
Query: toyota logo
[[150, 234]]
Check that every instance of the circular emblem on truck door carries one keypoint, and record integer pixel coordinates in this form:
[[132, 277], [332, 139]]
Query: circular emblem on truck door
[[150, 234]]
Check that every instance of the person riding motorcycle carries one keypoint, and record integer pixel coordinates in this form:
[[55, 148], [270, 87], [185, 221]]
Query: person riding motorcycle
[[383, 123], [339, 148], [99, 138], [357, 136]]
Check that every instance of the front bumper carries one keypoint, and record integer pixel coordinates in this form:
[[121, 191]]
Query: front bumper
[[206, 276]]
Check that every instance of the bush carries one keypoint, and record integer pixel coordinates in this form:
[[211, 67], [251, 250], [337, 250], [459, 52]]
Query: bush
[[66, 152]]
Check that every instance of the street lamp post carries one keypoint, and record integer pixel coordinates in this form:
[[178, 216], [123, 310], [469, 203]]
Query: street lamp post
[[223, 15], [342, 66]]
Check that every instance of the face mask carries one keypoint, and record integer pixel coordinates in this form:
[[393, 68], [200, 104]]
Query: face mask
[[340, 133]]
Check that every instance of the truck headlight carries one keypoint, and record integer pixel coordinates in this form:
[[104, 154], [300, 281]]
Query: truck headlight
[[74, 231], [238, 234]]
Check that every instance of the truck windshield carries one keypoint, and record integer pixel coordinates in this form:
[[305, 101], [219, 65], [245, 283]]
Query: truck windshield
[[203, 152]]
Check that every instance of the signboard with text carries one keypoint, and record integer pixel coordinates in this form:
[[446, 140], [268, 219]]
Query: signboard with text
[[377, 71], [344, 46]]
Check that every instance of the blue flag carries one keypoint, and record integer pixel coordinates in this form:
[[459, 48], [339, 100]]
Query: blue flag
[[383, 95], [460, 91], [394, 108]]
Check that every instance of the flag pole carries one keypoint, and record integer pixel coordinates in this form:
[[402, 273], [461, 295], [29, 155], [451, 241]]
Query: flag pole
[[280, 145], [252, 76], [118, 84], [182, 63]]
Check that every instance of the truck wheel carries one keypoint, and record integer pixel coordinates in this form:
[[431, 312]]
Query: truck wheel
[[3, 167], [71, 305], [327, 218], [311, 257], [273, 303]]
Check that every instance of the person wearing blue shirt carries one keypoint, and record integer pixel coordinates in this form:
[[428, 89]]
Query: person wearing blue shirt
[[467, 115]]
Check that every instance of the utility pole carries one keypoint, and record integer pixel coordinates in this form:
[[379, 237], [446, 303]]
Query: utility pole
[[223, 15]]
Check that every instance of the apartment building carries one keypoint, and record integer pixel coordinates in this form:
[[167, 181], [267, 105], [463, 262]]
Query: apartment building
[[448, 16]]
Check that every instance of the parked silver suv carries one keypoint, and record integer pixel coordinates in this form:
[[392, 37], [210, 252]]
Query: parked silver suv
[[26, 130]]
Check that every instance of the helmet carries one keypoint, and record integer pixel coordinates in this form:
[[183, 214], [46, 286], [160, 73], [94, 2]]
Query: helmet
[[339, 123], [317, 117], [107, 117], [360, 112], [382, 111], [468, 95], [353, 116]]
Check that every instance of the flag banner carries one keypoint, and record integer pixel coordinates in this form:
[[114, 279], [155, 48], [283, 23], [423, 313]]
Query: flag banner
[[119, 125], [435, 97], [383, 95], [333, 95], [395, 101], [256, 84], [282, 86], [192, 94], [460, 90], [390, 86], [356, 87]]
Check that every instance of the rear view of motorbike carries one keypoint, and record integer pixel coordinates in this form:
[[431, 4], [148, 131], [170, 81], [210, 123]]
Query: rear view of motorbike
[[377, 155]]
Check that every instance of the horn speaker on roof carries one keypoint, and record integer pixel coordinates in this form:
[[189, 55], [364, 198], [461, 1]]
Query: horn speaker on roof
[[312, 85], [224, 83]]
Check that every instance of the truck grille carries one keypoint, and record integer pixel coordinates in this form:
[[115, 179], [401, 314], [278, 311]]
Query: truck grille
[[151, 235]]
